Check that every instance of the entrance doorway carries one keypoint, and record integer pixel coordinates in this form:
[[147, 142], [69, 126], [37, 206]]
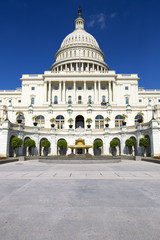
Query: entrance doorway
[[79, 121], [79, 151]]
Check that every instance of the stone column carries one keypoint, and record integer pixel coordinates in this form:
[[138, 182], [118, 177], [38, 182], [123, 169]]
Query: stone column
[[74, 93], [109, 92], [45, 91], [49, 98], [85, 92], [82, 67], [114, 92], [64, 92], [76, 67], [60, 90], [95, 92], [87, 67], [99, 89], [106, 143]]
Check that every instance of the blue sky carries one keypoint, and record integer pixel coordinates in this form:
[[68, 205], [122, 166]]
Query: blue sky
[[128, 32]]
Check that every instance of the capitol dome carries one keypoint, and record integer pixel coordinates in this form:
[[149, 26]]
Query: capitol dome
[[79, 51], [79, 36]]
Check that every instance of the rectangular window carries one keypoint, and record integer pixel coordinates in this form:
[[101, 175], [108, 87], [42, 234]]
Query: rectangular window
[[55, 88], [126, 88], [32, 88], [79, 88], [89, 88], [69, 88], [32, 101], [127, 100]]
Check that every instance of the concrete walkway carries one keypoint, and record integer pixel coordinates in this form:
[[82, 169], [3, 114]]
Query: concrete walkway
[[119, 201]]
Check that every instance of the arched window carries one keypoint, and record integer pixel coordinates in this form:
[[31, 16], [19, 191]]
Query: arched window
[[118, 121], [60, 122], [138, 119], [55, 100], [41, 121], [89, 99], [99, 122], [69, 100], [103, 99]]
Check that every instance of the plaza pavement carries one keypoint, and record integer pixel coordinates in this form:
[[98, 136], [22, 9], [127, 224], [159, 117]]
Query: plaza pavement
[[118, 201]]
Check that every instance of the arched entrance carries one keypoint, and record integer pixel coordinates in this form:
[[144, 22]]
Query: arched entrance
[[41, 153], [148, 150], [11, 150], [134, 147], [24, 147], [117, 150], [62, 149], [79, 121], [98, 146]]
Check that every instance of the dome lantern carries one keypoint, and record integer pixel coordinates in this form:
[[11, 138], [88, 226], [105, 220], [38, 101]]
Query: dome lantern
[[79, 22]]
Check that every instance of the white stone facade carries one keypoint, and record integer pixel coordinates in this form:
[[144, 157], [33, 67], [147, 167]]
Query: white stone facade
[[80, 85]]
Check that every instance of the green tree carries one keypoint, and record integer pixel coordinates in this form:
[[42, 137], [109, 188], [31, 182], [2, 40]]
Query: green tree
[[62, 144], [29, 144], [130, 143], [144, 142], [45, 144], [97, 143], [97, 146], [16, 143], [113, 144]]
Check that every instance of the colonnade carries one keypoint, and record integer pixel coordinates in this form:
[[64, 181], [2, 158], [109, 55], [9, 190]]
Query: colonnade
[[61, 92], [79, 67]]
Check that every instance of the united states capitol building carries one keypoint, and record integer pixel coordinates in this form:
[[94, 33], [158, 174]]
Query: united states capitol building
[[80, 86]]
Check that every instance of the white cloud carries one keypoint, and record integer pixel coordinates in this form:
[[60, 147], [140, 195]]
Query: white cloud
[[91, 23], [97, 19], [113, 15]]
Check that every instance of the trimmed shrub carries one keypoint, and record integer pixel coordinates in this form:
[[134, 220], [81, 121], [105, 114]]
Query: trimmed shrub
[[29, 143], [16, 142], [143, 142], [130, 142], [97, 143], [62, 143], [45, 143], [114, 143]]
